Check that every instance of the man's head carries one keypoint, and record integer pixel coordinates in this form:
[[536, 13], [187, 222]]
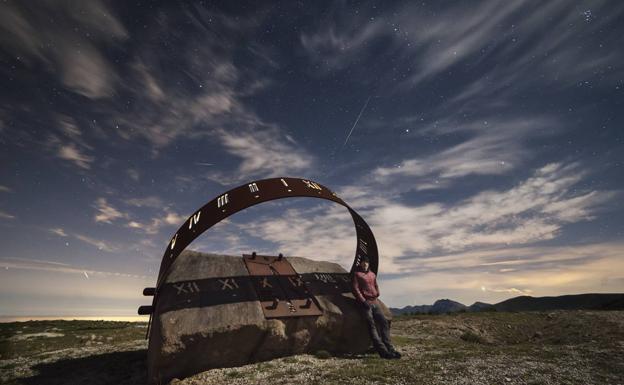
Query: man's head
[[364, 263]]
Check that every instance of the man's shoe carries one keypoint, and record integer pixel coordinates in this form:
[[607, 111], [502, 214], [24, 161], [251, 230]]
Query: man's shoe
[[386, 354], [395, 354]]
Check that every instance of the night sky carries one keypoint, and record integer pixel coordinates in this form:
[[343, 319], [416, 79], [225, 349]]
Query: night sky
[[483, 143]]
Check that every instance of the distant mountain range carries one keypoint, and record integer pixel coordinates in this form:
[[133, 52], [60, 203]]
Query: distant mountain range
[[523, 303]]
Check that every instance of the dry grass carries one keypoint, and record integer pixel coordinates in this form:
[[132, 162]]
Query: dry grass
[[563, 347]]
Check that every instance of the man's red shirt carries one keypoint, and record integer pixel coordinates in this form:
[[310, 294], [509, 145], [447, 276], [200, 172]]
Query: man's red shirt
[[364, 286]]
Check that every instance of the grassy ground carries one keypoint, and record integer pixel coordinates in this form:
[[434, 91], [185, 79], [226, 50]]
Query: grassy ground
[[563, 347], [72, 352]]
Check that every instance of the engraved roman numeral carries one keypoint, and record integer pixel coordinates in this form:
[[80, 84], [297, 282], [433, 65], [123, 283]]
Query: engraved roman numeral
[[296, 281], [228, 283], [311, 184], [184, 286], [253, 187], [194, 219], [285, 184], [173, 241], [363, 246], [222, 200], [324, 277]]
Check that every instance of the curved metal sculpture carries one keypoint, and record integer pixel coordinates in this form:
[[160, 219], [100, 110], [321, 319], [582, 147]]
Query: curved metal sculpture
[[248, 195]]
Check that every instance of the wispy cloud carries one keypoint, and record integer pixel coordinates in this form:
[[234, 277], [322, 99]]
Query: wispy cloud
[[72, 153], [5, 215], [75, 56], [534, 210], [342, 39], [172, 218], [539, 271], [5, 189], [87, 72], [154, 225], [510, 290], [435, 43], [106, 212], [134, 174], [151, 227], [496, 147], [109, 246], [206, 101], [70, 145], [58, 231], [264, 154], [100, 245], [150, 201], [52, 266]]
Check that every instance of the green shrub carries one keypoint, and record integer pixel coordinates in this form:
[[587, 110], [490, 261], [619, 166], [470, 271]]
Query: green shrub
[[469, 336], [322, 354]]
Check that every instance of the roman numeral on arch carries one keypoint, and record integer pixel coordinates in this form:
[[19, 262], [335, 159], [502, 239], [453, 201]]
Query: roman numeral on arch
[[173, 241], [362, 245], [194, 219], [253, 187], [311, 184], [222, 200]]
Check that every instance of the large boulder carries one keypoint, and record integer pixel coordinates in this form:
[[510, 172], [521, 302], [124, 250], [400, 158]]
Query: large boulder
[[185, 340]]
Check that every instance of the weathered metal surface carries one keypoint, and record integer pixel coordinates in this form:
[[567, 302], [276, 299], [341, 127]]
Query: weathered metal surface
[[251, 194], [281, 291]]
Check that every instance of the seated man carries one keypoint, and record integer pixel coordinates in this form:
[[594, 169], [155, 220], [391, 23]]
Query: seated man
[[366, 291]]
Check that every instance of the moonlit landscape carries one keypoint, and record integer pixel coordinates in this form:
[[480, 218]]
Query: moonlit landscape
[[482, 142]]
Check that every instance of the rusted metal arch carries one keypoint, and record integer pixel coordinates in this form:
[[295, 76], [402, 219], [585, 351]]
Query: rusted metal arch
[[250, 194]]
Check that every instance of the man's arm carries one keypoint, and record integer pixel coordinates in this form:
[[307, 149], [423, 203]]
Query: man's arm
[[376, 287], [355, 286]]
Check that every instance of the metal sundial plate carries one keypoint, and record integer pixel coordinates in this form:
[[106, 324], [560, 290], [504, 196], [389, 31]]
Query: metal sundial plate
[[281, 291]]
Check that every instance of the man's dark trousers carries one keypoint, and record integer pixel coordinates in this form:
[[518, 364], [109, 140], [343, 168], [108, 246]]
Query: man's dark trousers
[[374, 315]]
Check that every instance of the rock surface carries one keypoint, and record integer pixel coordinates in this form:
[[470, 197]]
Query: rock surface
[[191, 340]]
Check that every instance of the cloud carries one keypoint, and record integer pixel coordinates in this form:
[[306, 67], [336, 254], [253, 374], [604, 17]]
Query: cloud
[[151, 86], [539, 271], [264, 154], [341, 40], [464, 37], [58, 231], [86, 72], [73, 154], [511, 290], [200, 95], [5, 189], [174, 219], [71, 146], [106, 212], [75, 54], [69, 128], [52, 266], [533, 210], [151, 201], [496, 147], [154, 225], [5, 215], [101, 245], [134, 174]]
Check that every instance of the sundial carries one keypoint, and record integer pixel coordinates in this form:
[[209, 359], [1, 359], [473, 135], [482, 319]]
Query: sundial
[[271, 280]]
